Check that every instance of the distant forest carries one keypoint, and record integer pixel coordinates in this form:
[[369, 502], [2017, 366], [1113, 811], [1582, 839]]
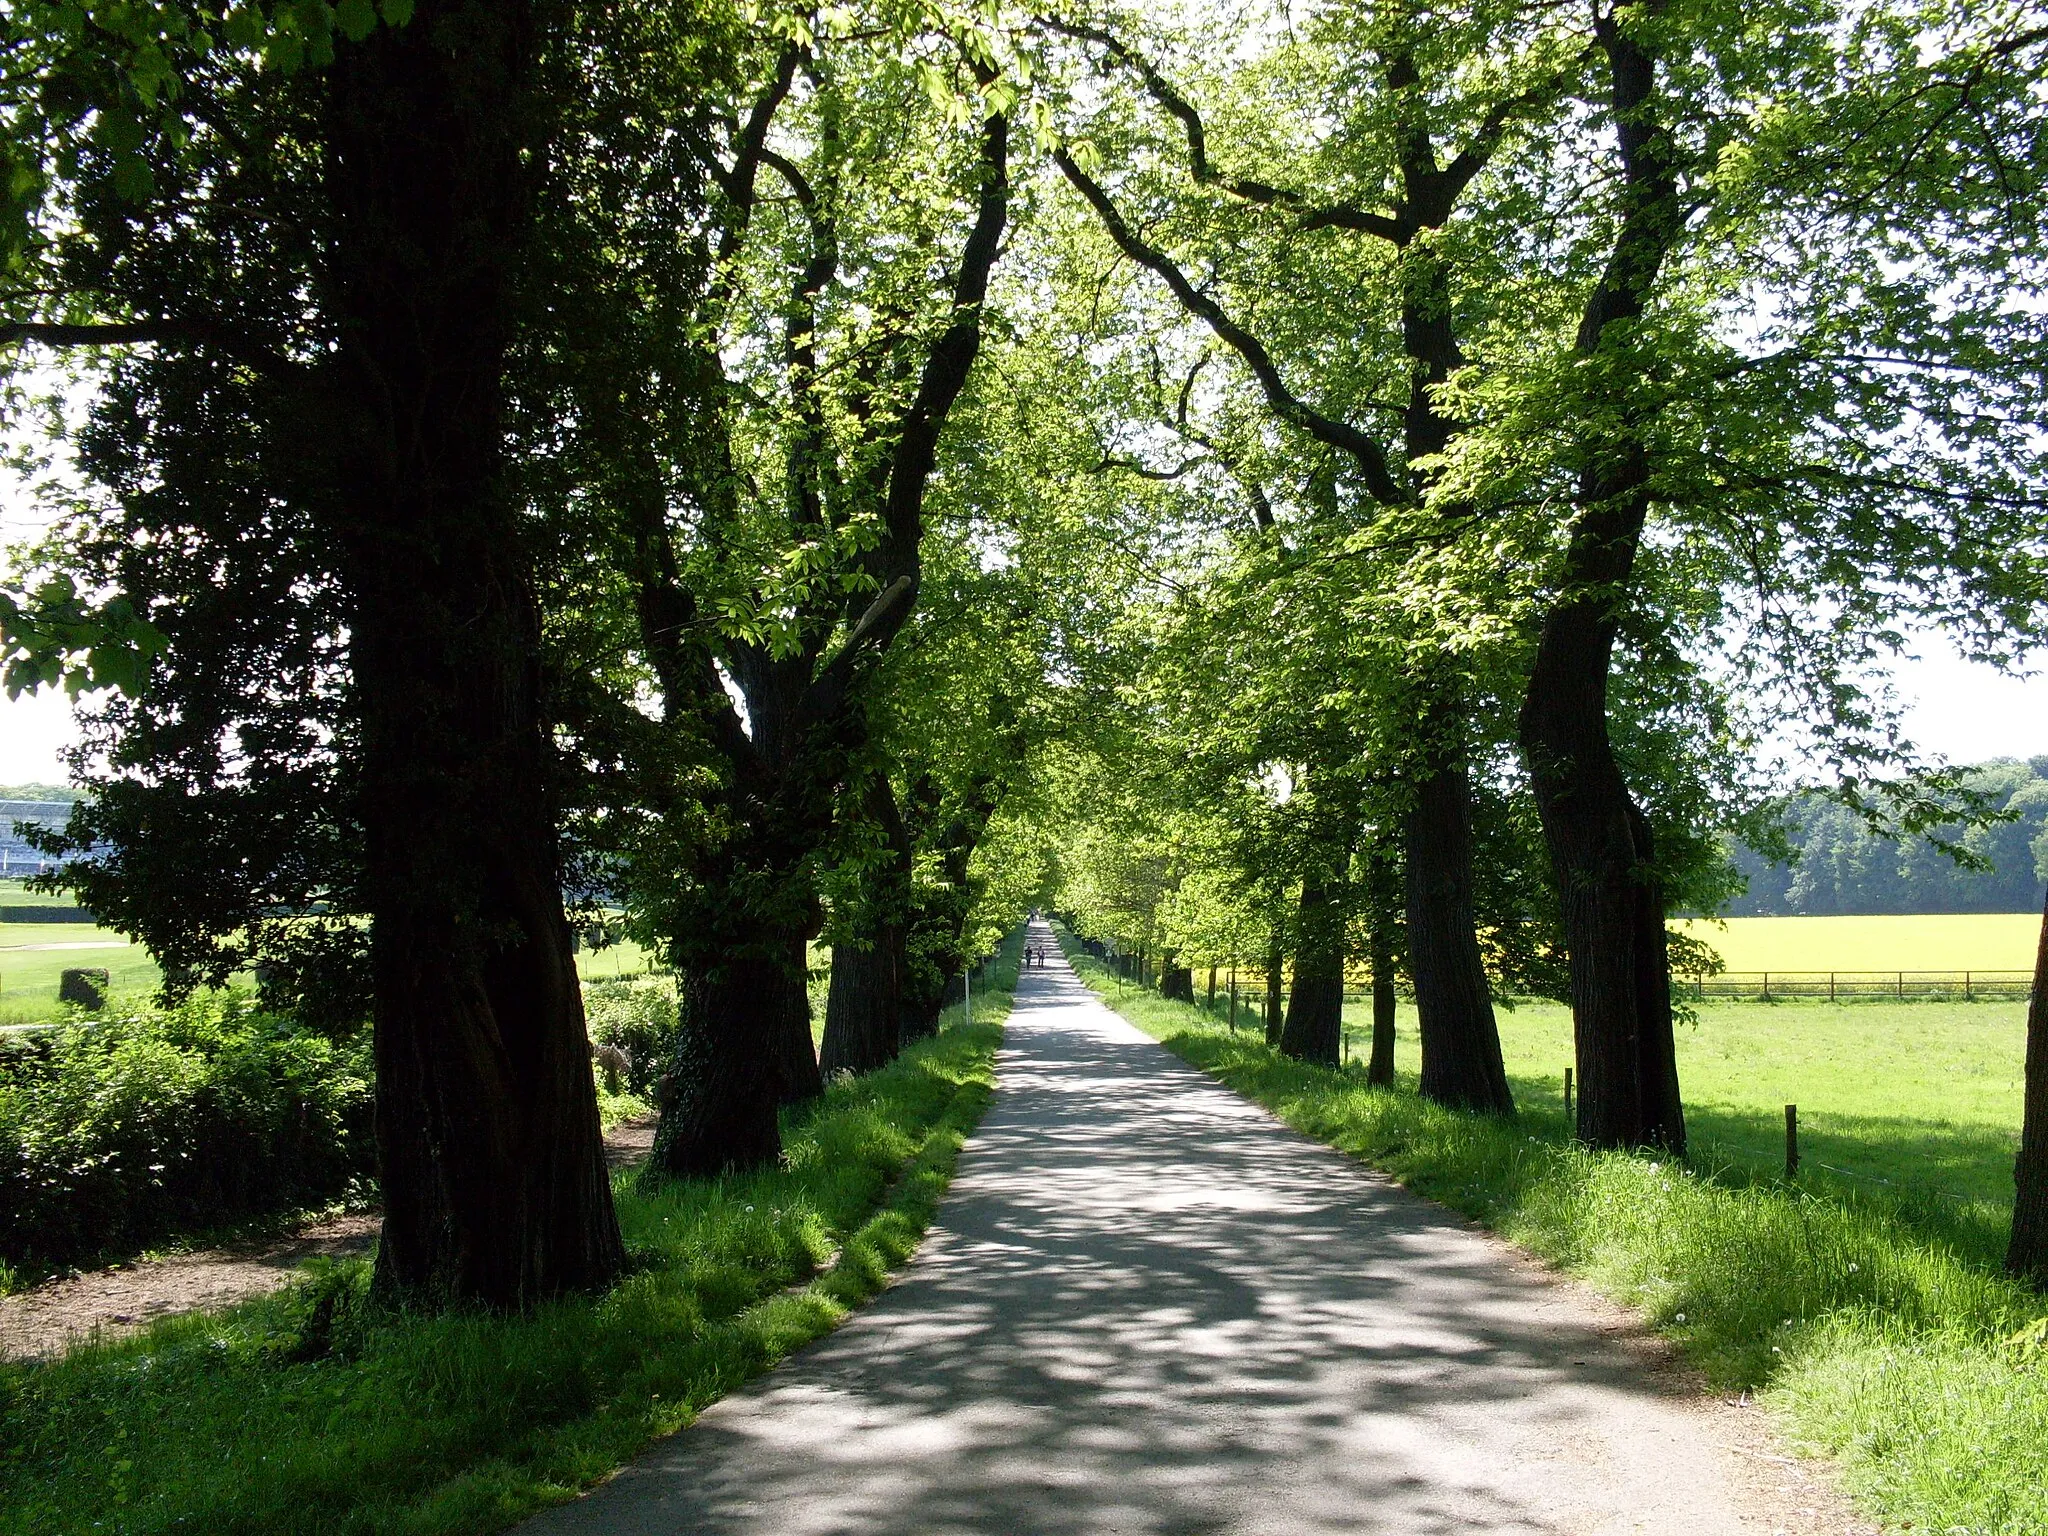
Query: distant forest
[[1843, 867]]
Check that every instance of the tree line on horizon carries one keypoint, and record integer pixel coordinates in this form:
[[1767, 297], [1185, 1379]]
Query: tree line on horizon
[[1362, 487], [1828, 860]]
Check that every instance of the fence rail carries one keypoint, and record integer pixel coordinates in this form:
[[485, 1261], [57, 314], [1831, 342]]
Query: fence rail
[[1765, 986], [1835, 985]]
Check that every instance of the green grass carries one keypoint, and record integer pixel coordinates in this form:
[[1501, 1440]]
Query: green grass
[[308, 1411], [1921, 1096], [1872, 1333], [29, 976]]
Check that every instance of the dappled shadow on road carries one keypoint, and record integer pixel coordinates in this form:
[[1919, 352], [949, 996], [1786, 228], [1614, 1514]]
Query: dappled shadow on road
[[1150, 1308]]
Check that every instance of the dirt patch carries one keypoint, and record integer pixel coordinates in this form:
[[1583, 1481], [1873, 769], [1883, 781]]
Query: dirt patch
[[52, 1317], [629, 1142]]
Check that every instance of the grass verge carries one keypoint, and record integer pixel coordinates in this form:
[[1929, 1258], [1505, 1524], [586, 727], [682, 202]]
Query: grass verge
[[1920, 1370], [310, 1411]]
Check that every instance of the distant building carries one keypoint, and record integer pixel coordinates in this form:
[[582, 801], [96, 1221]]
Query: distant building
[[17, 858]]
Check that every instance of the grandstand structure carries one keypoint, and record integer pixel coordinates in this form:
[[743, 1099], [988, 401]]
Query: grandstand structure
[[17, 858]]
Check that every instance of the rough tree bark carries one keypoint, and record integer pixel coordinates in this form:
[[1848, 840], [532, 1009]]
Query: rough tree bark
[[1276, 959], [1599, 843], [796, 1054], [1461, 1057], [719, 1099], [1176, 981], [2027, 1256], [1313, 1030], [490, 1156], [1380, 941], [864, 1008]]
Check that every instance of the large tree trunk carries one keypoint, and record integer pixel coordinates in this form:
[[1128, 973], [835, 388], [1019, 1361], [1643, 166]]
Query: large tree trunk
[[1380, 941], [1176, 981], [719, 1100], [1314, 1028], [490, 1155], [1600, 849], [796, 1054], [2028, 1254], [1276, 960], [864, 1008], [1461, 1058], [1599, 842]]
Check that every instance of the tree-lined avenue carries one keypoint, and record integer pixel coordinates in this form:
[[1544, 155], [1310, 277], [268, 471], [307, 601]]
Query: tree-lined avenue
[[1146, 1306]]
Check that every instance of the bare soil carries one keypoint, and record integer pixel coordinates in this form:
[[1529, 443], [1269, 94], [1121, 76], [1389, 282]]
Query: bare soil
[[50, 1318]]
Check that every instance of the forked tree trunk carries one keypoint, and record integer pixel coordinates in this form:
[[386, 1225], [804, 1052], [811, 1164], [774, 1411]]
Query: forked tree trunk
[[719, 1100], [490, 1157], [1275, 1018], [2027, 1256], [1314, 1028], [864, 1008], [1461, 1057], [1600, 849]]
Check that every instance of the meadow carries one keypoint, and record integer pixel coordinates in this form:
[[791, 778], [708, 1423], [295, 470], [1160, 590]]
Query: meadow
[[1919, 1098], [30, 968]]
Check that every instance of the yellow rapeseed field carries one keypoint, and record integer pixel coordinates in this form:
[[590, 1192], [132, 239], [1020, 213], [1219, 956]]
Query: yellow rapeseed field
[[1995, 941]]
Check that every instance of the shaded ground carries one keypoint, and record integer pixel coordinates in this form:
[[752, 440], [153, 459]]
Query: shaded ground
[[48, 1318], [1148, 1307]]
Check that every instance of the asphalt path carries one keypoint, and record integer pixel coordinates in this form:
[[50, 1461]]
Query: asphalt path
[[1146, 1306]]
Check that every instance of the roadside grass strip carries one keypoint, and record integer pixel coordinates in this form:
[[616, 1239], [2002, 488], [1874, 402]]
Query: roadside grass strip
[[312, 1411], [1922, 1371]]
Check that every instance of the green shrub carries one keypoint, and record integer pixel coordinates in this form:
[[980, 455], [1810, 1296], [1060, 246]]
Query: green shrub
[[136, 1126], [638, 1016]]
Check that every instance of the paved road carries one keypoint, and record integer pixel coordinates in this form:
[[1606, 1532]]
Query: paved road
[[1148, 1307]]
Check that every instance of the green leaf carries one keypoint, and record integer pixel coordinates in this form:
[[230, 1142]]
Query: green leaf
[[356, 18]]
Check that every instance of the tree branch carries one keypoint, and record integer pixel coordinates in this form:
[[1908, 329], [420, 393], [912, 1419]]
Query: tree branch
[[1312, 216], [1370, 457], [258, 359]]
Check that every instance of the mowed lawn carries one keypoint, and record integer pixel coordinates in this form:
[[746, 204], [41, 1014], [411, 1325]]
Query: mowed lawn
[[1947, 941], [30, 967]]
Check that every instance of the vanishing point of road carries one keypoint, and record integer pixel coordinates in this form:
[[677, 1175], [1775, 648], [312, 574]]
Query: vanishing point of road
[[1146, 1307]]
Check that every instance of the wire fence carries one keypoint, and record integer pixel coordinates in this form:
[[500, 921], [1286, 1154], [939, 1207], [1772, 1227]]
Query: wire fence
[[1837, 985], [1248, 983]]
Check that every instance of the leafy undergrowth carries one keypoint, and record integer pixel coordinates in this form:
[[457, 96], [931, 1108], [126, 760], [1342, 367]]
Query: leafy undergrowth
[[310, 1411], [1917, 1368]]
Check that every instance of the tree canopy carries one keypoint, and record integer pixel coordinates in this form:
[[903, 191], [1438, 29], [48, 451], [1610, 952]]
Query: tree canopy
[[1367, 486]]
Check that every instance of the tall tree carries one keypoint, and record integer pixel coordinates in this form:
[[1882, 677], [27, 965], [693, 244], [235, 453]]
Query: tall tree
[[490, 1158]]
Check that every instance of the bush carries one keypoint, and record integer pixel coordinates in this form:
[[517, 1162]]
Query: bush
[[125, 1130], [638, 1017]]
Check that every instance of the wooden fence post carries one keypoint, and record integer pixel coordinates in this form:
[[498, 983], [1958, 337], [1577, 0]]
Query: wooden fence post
[[1791, 1141], [1568, 1097]]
